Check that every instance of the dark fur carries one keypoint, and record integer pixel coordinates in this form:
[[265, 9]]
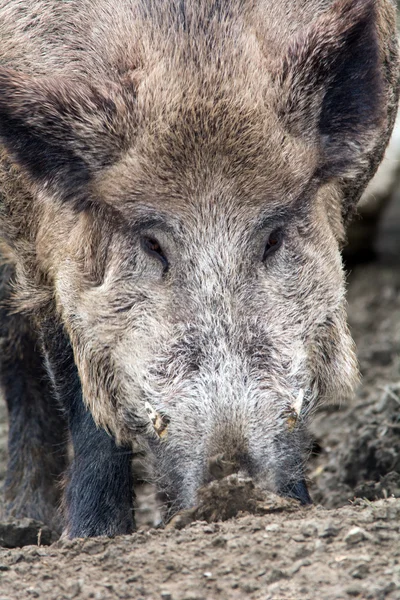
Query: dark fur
[[99, 491], [37, 444]]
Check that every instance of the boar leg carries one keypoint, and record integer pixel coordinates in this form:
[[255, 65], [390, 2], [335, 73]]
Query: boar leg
[[99, 491], [37, 427]]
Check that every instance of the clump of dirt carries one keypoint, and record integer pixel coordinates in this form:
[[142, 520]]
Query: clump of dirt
[[16, 533], [229, 497]]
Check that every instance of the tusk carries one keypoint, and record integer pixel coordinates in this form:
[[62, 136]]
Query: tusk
[[298, 403], [159, 422], [295, 409]]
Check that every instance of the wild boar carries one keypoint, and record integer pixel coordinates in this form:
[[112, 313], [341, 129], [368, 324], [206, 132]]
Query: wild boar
[[176, 178]]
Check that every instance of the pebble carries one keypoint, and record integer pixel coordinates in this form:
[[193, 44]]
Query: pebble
[[219, 542], [329, 530], [309, 529], [92, 547], [74, 589], [249, 587], [272, 527], [356, 535], [211, 528], [360, 571], [306, 562], [354, 590], [275, 575]]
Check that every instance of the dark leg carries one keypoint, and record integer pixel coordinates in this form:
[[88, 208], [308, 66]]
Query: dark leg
[[99, 493], [37, 427]]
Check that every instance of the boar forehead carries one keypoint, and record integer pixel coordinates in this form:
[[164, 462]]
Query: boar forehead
[[196, 140]]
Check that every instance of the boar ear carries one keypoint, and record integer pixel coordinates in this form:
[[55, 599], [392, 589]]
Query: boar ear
[[62, 132], [332, 85]]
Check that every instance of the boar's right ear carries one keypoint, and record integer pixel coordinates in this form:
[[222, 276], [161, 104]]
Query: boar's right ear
[[62, 132], [331, 87]]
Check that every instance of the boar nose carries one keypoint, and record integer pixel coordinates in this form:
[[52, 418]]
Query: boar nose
[[221, 465]]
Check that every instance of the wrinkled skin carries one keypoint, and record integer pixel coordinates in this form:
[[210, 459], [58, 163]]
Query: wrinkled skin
[[180, 220]]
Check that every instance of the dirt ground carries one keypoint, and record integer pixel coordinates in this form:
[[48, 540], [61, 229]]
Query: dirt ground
[[346, 545]]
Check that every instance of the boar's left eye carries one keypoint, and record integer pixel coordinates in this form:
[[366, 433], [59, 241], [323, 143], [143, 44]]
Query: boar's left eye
[[273, 243], [151, 246]]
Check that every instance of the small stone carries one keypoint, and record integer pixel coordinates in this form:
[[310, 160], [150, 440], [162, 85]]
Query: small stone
[[354, 590], [298, 565], [272, 527], [309, 530], [4, 568], [275, 575], [74, 589], [328, 531], [355, 536], [211, 528], [303, 551], [93, 547], [249, 588], [17, 558], [219, 542], [166, 596], [390, 587], [360, 571]]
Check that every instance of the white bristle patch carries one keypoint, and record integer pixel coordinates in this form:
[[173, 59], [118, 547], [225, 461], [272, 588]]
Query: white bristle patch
[[298, 403]]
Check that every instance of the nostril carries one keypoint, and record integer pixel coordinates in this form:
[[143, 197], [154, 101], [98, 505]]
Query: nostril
[[219, 466]]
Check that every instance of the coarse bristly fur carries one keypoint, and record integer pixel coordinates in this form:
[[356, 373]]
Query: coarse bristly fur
[[176, 177]]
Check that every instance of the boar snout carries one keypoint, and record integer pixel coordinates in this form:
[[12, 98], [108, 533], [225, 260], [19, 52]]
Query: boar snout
[[220, 466], [223, 465]]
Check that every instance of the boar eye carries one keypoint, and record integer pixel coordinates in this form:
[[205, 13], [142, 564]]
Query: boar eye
[[152, 247], [274, 242]]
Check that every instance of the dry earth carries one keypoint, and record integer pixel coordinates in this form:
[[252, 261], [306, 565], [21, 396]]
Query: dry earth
[[347, 545]]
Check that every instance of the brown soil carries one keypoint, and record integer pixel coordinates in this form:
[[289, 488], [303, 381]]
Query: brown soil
[[346, 545]]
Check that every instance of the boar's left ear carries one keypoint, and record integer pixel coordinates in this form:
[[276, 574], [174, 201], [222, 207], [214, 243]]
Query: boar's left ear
[[62, 132], [331, 85]]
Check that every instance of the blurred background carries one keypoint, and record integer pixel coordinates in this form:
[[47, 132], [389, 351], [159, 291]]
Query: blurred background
[[375, 232]]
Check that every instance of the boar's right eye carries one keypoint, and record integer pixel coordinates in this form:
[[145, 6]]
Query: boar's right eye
[[152, 247], [274, 242]]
